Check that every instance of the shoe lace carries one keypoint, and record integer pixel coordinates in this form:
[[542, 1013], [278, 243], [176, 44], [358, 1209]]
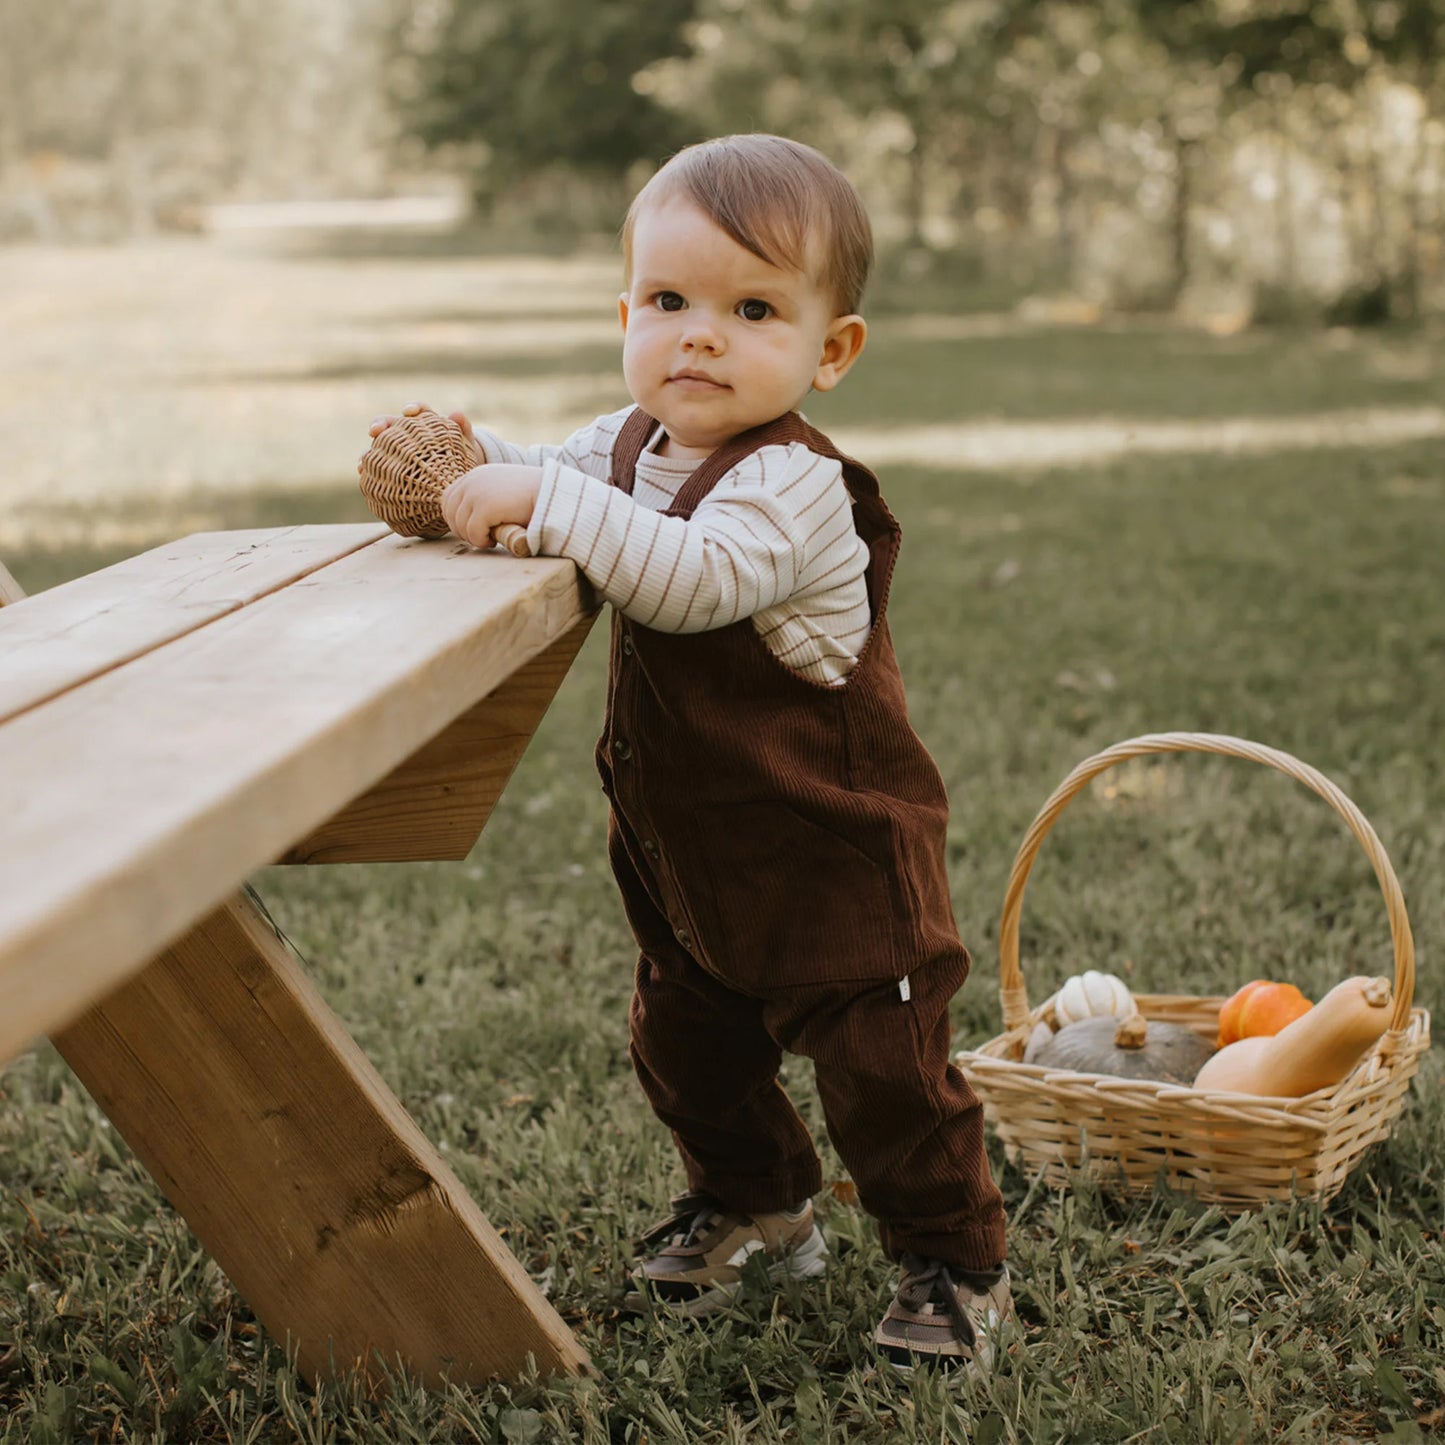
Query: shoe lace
[[927, 1287], [697, 1225], [691, 1216]]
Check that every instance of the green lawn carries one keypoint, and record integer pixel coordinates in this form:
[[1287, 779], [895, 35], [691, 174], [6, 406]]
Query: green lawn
[[1293, 599]]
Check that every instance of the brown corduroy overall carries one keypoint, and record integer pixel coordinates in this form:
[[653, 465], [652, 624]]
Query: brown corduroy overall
[[779, 845]]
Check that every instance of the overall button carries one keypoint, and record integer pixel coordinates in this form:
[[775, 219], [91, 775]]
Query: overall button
[[627, 647], [684, 938], [621, 748]]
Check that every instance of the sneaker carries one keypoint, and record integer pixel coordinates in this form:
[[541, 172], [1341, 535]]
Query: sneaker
[[702, 1247], [940, 1316]]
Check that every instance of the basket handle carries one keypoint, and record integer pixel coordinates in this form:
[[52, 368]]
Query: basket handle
[[1012, 993]]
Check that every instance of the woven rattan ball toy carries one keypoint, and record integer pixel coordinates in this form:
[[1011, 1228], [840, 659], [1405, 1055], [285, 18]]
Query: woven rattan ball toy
[[410, 465]]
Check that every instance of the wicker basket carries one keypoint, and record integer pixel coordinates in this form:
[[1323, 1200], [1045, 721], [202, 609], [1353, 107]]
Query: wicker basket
[[408, 467], [1232, 1149]]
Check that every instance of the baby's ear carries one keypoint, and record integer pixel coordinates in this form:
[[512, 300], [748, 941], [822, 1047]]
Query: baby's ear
[[842, 346]]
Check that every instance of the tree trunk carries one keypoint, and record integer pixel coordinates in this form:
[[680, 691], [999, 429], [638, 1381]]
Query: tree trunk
[[915, 199], [1286, 250], [1180, 213], [1375, 195], [1407, 292], [15, 174], [1349, 187], [1064, 236]]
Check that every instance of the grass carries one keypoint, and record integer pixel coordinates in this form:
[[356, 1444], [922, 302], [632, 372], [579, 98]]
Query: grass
[[1039, 616], [1135, 369]]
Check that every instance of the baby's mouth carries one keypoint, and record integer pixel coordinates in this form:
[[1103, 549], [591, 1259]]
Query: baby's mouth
[[696, 381]]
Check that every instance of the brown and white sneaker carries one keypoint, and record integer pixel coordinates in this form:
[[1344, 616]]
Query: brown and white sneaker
[[702, 1247], [944, 1316]]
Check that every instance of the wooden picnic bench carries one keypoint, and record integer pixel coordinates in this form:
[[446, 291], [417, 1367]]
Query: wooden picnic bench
[[168, 726]]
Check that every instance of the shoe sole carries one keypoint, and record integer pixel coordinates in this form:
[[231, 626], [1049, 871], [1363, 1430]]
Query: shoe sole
[[807, 1261], [1005, 1341]]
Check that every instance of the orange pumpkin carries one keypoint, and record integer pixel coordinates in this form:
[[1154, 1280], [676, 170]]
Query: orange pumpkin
[[1259, 1010], [1232, 1008]]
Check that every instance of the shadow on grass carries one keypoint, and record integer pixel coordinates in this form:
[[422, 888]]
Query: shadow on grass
[[485, 316], [440, 363], [469, 240]]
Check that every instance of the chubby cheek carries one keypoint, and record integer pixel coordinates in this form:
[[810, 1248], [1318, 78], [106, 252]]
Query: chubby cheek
[[639, 363]]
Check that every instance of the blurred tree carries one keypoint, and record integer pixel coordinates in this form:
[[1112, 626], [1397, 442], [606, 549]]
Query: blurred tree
[[529, 88], [931, 64], [909, 79], [36, 38], [1079, 88], [1276, 48], [138, 114], [987, 101]]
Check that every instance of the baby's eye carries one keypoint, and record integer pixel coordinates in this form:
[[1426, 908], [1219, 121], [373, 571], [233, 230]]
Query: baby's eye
[[754, 310], [669, 301]]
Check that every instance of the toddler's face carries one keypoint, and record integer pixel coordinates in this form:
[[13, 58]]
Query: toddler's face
[[717, 340]]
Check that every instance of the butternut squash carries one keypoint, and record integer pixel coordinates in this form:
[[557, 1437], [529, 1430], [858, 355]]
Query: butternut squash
[[1315, 1051]]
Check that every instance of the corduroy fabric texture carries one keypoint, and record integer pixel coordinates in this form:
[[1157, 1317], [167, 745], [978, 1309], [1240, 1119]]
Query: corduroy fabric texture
[[779, 845]]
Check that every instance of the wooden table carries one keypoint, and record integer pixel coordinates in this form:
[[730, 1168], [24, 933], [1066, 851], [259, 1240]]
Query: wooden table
[[168, 726]]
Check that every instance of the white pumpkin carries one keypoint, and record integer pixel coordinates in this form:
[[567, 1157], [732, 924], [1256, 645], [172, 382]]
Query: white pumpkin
[[1092, 995]]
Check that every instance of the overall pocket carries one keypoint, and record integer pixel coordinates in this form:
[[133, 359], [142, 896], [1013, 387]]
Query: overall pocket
[[783, 900]]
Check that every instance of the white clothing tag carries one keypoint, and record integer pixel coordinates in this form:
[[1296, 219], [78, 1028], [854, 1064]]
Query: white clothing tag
[[905, 991]]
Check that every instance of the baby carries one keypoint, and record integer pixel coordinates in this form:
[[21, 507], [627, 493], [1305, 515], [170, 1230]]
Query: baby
[[776, 827]]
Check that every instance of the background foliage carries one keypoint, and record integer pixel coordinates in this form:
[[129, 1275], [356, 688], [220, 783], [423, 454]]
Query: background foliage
[[1230, 157]]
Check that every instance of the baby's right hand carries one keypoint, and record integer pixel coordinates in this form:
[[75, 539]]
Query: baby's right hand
[[414, 408]]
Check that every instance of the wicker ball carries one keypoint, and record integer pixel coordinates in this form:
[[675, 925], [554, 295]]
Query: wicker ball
[[409, 466]]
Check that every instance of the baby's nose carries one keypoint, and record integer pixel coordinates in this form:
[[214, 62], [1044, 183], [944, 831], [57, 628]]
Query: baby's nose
[[701, 334]]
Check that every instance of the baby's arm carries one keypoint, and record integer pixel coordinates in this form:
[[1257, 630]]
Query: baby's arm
[[502, 488], [740, 552], [588, 450]]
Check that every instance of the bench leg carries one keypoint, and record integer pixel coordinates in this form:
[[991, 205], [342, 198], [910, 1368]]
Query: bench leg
[[299, 1170]]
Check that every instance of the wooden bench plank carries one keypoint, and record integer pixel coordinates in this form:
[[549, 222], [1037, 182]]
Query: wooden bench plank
[[10, 589], [435, 805], [299, 1170], [80, 629], [143, 798]]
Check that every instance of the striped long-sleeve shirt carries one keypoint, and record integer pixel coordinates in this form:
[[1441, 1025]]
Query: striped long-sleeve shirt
[[773, 541]]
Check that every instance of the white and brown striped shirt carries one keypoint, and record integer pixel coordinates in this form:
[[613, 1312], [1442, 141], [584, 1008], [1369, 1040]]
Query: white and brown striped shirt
[[773, 541]]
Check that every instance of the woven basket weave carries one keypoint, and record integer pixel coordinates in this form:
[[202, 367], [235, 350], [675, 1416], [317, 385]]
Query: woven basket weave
[[1230, 1149], [408, 467]]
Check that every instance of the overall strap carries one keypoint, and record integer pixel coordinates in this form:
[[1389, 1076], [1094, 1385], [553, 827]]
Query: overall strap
[[628, 447], [875, 523]]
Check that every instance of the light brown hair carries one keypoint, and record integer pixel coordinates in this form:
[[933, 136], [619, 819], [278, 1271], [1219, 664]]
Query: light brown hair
[[784, 201]]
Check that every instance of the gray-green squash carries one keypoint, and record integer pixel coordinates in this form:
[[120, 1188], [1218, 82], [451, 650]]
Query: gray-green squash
[[1132, 1048]]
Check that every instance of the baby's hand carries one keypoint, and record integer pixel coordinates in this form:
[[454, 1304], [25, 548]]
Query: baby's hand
[[414, 408], [489, 496]]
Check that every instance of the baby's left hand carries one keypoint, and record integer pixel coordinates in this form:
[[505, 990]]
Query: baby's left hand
[[487, 497]]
